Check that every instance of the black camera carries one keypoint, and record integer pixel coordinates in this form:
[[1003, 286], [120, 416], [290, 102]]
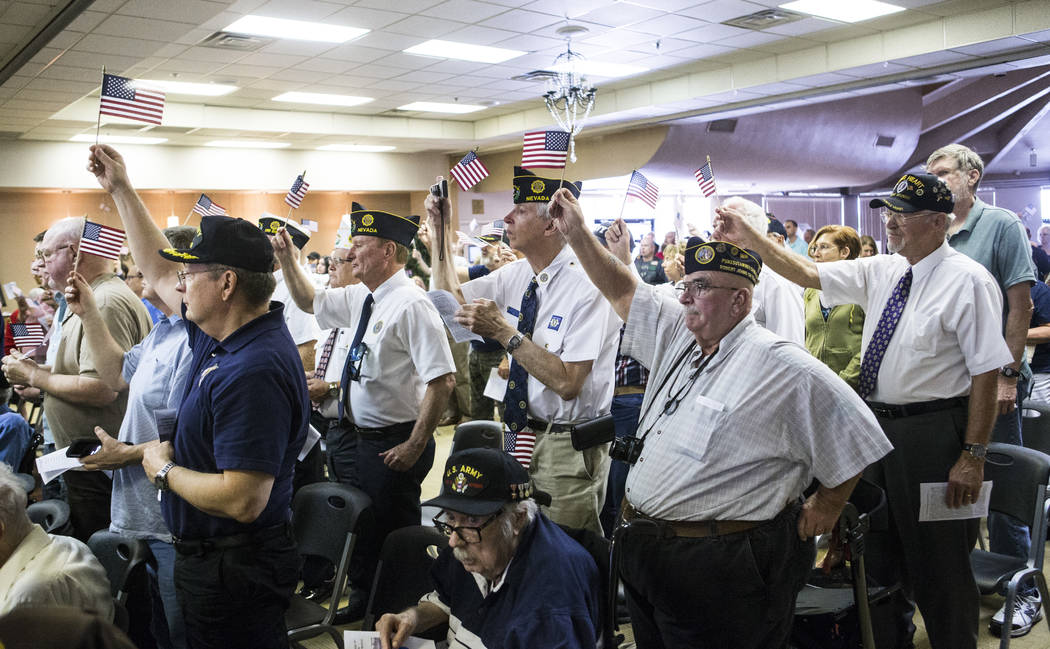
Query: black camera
[[626, 449], [440, 189]]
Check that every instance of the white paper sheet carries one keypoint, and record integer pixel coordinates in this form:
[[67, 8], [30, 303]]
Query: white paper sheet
[[496, 388], [447, 305], [932, 506], [370, 640], [54, 464], [312, 437]]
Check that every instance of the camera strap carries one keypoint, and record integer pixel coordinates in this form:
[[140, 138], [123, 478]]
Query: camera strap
[[675, 369]]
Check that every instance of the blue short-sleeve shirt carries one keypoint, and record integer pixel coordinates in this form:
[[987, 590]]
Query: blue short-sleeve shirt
[[246, 408]]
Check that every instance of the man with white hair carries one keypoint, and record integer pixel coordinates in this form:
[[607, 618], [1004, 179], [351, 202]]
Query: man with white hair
[[37, 569], [509, 578]]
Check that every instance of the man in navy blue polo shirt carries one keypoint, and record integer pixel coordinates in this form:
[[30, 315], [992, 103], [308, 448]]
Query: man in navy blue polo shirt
[[225, 470], [509, 578]]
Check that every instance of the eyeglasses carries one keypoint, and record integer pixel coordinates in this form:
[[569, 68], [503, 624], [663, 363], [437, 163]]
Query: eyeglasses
[[355, 360], [469, 534], [46, 255], [134, 276], [182, 274], [900, 218], [696, 288], [334, 262]]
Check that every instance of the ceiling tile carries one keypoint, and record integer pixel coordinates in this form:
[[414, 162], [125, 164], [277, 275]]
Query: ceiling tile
[[407, 61], [668, 25], [211, 55], [804, 26], [619, 15], [148, 28], [408, 6], [875, 70], [190, 67], [449, 66], [346, 81], [368, 18], [21, 13], [300, 75], [297, 48], [531, 43], [299, 9], [617, 38], [274, 60], [751, 39], [662, 5], [383, 41], [424, 27], [86, 21], [248, 71], [393, 84], [520, 21], [117, 45], [423, 76], [330, 66], [375, 71], [185, 11], [710, 33], [476, 35], [720, 10], [478, 11]]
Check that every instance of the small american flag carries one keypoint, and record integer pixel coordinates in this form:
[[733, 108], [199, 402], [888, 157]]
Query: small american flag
[[123, 97], [705, 177], [463, 239], [30, 334], [492, 233], [520, 445], [469, 171], [545, 149], [101, 240], [206, 207], [643, 188], [298, 192]]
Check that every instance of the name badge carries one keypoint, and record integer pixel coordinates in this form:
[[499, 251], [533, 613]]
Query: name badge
[[514, 312]]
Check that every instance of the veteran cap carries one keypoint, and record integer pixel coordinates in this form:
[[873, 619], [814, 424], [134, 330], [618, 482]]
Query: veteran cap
[[916, 193], [530, 188], [377, 223], [723, 257], [775, 226], [478, 481], [271, 223], [227, 241]]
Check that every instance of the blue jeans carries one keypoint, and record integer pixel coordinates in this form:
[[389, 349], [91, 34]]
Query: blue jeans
[[1006, 534], [625, 411], [167, 625]]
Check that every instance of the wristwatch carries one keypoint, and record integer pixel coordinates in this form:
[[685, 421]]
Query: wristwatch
[[977, 451], [333, 388], [1009, 372], [161, 479], [514, 342]]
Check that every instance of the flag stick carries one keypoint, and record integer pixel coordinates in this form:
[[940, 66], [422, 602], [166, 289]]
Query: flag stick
[[561, 181], [98, 123]]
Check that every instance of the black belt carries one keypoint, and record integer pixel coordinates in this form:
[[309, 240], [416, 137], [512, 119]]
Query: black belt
[[202, 546], [383, 432], [536, 425], [896, 411]]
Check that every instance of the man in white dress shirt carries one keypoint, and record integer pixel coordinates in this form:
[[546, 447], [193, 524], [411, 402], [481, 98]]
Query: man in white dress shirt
[[302, 326]]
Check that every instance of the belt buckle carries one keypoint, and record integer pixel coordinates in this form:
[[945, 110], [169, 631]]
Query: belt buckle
[[882, 411]]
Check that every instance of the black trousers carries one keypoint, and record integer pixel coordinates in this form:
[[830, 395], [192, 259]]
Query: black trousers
[[736, 590], [88, 494], [236, 598]]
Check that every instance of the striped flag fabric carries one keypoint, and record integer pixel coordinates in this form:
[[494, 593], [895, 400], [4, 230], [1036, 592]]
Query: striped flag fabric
[[545, 149], [30, 334], [463, 239], [298, 192], [520, 445], [469, 171], [643, 188], [492, 233], [123, 97], [705, 177], [101, 240], [207, 207]]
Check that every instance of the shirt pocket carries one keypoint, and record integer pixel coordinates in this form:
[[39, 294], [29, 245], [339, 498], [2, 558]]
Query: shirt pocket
[[161, 372], [550, 333], [706, 416], [925, 330]]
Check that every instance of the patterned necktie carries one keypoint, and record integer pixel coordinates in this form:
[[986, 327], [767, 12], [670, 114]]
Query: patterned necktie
[[322, 364], [891, 315], [362, 325], [516, 414]]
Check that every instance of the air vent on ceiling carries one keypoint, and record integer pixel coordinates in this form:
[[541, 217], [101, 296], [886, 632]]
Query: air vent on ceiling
[[238, 42], [884, 140], [535, 75], [721, 126], [764, 19]]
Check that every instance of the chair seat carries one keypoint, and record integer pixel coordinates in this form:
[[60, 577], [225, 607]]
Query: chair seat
[[302, 612], [993, 570]]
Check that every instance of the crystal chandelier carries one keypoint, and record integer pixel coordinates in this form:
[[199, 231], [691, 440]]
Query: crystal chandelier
[[569, 96]]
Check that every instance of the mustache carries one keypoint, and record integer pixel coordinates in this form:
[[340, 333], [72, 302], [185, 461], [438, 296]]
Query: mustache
[[460, 553]]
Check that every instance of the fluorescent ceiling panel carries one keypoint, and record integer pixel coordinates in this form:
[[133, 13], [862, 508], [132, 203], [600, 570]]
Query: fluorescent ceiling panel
[[190, 88], [463, 51], [436, 107], [852, 11], [323, 99], [296, 30]]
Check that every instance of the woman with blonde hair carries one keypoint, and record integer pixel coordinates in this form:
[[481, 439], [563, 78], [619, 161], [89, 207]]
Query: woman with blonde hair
[[833, 335]]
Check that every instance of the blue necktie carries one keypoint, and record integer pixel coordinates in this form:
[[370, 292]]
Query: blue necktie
[[516, 400], [891, 315], [362, 324]]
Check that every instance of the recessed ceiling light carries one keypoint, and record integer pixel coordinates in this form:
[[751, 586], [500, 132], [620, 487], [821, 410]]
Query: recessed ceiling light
[[847, 12], [599, 69], [248, 144], [117, 139], [436, 107], [360, 148], [321, 98], [190, 88], [463, 51], [299, 30]]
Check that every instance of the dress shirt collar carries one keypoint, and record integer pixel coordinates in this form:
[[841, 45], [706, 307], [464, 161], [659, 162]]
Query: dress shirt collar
[[392, 283], [925, 266], [564, 258]]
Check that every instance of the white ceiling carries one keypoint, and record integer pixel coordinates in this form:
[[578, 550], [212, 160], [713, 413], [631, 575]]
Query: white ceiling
[[54, 95]]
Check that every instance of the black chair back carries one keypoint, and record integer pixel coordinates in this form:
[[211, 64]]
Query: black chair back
[[119, 555], [323, 515], [1035, 425], [403, 573], [477, 434], [52, 515]]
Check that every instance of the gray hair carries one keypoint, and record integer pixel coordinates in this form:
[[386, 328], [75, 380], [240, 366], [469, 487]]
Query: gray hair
[[528, 508], [256, 287], [12, 504], [67, 230], [965, 159]]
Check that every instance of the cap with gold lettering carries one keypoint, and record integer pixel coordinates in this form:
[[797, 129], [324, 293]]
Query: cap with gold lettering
[[723, 257], [917, 193], [530, 188], [478, 481], [377, 223]]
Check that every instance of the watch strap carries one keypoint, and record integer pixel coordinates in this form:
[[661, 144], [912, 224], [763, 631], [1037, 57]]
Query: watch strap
[[161, 479], [514, 342]]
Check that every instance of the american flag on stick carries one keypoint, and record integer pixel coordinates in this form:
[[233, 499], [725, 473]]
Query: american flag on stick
[[545, 149], [207, 207], [123, 97], [298, 191], [30, 334], [469, 171], [520, 445], [705, 177], [101, 240], [492, 233], [643, 188]]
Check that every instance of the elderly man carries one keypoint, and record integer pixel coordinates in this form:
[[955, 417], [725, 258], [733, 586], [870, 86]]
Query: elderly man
[[561, 337], [719, 540], [302, 326], [996, 239], [933, 347], [37, 569], [225, 471], [397, 378], [509, 578], [75, 398]]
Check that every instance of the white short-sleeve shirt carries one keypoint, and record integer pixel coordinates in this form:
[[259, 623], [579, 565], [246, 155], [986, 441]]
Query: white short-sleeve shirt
[[302, 325], [777, 305]]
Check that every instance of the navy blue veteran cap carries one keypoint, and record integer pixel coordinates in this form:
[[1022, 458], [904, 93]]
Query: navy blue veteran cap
[[478, 481], [917, 193], [530, 188], [271, 223], [723, 257], [227, 241], [377, 223], [775, 226]]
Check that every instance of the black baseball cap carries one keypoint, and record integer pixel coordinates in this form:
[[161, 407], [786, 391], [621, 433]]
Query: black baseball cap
[[775, 226], [478, 481], [917, 193], [227, 241]]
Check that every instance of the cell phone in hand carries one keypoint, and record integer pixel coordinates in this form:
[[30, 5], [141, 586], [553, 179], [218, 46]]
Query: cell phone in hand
[[82, 447], [440, 189]]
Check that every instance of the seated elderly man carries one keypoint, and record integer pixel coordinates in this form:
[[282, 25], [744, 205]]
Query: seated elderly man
[[37, 569], [510, 578]]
